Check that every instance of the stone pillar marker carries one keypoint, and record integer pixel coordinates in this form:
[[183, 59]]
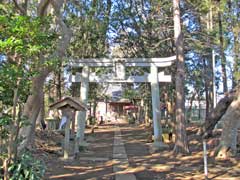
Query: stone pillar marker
[[66, 112], [81, 115], [158, 143]]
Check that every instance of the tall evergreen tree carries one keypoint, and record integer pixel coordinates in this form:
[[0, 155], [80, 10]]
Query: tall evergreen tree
[[181, 144]]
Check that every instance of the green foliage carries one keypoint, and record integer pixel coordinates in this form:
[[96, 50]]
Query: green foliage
[[167, 128], [131, 94], [90, 23], [92, 120], [27, 167], [131, 120], [25, 35], [137, 91], [4, 123], [10, 74], [26, 45], [143, 29], [23, 40]]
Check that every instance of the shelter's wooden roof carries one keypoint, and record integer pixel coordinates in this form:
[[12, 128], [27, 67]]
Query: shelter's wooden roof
[[69, 101], [120, 102]]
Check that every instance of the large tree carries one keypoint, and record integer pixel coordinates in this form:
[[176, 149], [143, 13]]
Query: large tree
[[181, 144], [231, 124], [222, 54], [25, 42], [42, 9]]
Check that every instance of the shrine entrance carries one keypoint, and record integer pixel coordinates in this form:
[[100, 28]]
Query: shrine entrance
[[119, 66]]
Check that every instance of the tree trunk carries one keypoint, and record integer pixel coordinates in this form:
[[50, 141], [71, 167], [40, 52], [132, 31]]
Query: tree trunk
[[199, 107], [75, 89], [95, 109], [190, 107], [236, 65], [5, 169], [146, 113], [211, 65], [141, 111], [234, 27], [13, 125], [32, 108], [41, 116], [12, 133], [181, 144], [59, 83], [223, 58], [216, 114], [231, 123], [206, 86]]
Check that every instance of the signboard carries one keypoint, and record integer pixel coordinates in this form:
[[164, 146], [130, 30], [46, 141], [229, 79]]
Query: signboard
[[120, 70]]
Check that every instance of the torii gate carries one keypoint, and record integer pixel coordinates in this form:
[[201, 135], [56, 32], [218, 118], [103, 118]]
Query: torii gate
[[119, 64]]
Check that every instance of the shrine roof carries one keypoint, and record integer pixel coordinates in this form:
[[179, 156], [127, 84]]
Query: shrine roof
[[69, 101]]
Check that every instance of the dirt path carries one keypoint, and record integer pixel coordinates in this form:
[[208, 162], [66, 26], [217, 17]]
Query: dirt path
[[166, 166], [95, 162], [127, 157]]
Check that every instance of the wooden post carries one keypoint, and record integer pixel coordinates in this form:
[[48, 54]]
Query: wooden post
[[106, 109], [205, 159], [146, 113], [73, 123], [67, 113]]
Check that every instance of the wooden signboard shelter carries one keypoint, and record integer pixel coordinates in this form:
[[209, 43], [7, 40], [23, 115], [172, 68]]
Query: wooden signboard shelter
[[119, 65], [68, 106]]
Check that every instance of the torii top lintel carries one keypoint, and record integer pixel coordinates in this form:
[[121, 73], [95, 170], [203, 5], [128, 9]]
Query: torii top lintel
[[108, 62]]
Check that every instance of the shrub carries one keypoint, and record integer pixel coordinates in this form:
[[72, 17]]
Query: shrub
[[27, 167]]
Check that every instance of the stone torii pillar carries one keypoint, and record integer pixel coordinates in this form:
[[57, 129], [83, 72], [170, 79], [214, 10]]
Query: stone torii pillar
[[82, 115], [157, 127]]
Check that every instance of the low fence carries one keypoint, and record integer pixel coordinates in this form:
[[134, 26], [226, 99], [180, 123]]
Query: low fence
[[193, 115], [196, 115]]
